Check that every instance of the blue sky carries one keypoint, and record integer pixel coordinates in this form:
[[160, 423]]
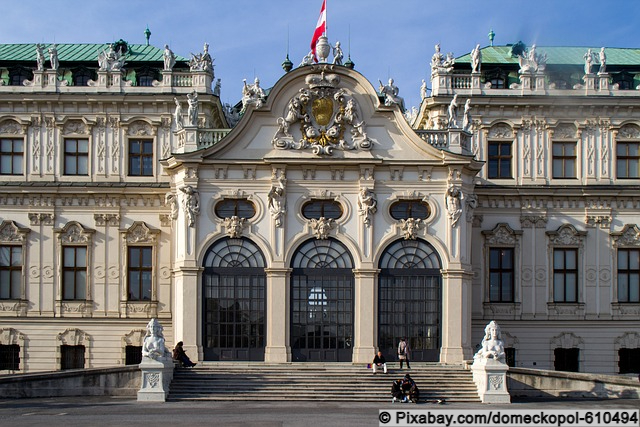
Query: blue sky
[[387, 38]]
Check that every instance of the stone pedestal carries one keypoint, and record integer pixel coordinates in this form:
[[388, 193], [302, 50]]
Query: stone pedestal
[[156, 377], [490, 377]]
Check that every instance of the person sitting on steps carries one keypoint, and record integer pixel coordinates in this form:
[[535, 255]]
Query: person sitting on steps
[[181, 356], [379, 361]]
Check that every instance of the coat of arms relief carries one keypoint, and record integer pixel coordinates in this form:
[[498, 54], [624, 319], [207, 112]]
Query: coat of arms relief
[[319, 116]]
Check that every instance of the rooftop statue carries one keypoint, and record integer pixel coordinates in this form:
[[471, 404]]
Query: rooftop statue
[[252, 94], [452, 112], [307, 59], [588, 61], [202, 61], [492, 346], [441, 63], [192, 112], [337, 54], [530, 61], [423, 90], [177, 115], [466, 118], [603, 62], [39, 57], [153, 345], [476, 59], [390, 92], [53, 57], [169, 58], [111, 60]]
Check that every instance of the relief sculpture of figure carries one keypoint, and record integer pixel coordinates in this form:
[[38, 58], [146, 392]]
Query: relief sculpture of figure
[[367, 205], [190, 204], [454, 204], [252, 94], [277, 202]]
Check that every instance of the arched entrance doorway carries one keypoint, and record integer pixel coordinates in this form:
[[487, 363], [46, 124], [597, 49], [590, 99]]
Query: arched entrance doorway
[[322, 302], [410, 299], [233, 285]]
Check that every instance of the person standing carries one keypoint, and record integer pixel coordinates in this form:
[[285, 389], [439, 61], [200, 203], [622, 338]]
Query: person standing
[[403, 352], [379, 361]]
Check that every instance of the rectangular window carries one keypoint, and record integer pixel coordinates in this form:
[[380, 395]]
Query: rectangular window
[[133, 355], [629, 362], [76, 157], [11, 155], [10, 272], [140, 268], [74, 272], [628, 159], [565, 275], [629, 275], [71, 357], [140, 157], [567, 359], [501, 274], [9, 357], [499, 160], [564, 160]]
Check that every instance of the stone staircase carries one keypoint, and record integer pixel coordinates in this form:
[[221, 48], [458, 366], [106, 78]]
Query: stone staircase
[[316, 381]]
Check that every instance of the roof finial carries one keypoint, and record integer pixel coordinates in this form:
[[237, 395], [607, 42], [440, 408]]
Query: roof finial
[[492, 35], [147, 34]]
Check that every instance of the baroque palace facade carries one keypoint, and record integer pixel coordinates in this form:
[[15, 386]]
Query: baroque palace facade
[[318, 223]]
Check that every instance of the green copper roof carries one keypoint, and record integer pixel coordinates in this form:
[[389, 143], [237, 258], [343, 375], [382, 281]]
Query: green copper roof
[[558, 55], [80, 52]]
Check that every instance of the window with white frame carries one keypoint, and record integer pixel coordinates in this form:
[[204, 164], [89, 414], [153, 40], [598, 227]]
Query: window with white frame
[[564, 152], [629, 275], [13, 244], [76, 156], [74, 249], [139, 246], [566, 246], [11, 156], [140, 157], [628, 152]]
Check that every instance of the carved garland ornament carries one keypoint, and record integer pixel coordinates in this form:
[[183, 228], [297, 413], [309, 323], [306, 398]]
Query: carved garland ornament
[[324, 113]]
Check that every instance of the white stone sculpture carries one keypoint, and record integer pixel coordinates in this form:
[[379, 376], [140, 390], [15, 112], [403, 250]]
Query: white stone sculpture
[[192, 112], [53, 57], [202, 61], [603, 62], [337, 54], [252, 94], [492, 346], [437, 59], [231, 114], [170, 199], [588, 61], [111, 60], [177, 115], [190, 204], [322, 227], [423, 90], [277, 202], [234, 226], [307, 59], [466, 117], [530, 61], [153, 345], [390, 92], [452, 113], [169, 58], [367, 205], [40, 57], [476, 59], [216, 89], [454, 204], [410, 227]]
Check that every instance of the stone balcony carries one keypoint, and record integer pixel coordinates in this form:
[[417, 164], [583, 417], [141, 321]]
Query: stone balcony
[[176, 82], [453, 140]]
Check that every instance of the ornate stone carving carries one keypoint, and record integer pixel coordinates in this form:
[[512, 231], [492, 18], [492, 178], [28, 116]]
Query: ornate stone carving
[[629, 131], [74, 336], [74, 232], [629, 236], [565, 131], [139, 232], [325, 113], [135, 337], [454, 204], [566, 235], [492, 346], [10, 336], [501, 131], [533, 221], [165, 220], [410, 228], [190, 204], [322, 227], [604, 221], [471, 203], [104, 219], [140, 128], [10, 127], [153, 344], [502, 234], [367, 205], [75, 127], [171, 200], [234, 226], [10, 232]]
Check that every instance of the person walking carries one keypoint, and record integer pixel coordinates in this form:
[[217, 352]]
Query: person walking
[[403, 352]]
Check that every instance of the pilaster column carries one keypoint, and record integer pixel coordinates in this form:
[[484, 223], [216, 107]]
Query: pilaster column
[[365, 315], [188, 309], [456, 316], [278, 349]]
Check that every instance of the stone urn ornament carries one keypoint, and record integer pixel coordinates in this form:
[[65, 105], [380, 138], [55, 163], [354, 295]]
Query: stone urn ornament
[[323, 48]]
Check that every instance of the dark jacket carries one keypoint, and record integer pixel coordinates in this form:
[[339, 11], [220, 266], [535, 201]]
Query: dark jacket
[[379, 360]]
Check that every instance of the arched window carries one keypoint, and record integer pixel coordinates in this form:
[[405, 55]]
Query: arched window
[[234, 301], [410, 299], [322, 302]]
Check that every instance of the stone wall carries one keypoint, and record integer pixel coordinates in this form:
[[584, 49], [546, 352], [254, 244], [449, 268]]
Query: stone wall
[[122, 381], [529, 383]]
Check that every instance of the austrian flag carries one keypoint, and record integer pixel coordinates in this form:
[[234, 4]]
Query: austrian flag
[[321, 28]]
